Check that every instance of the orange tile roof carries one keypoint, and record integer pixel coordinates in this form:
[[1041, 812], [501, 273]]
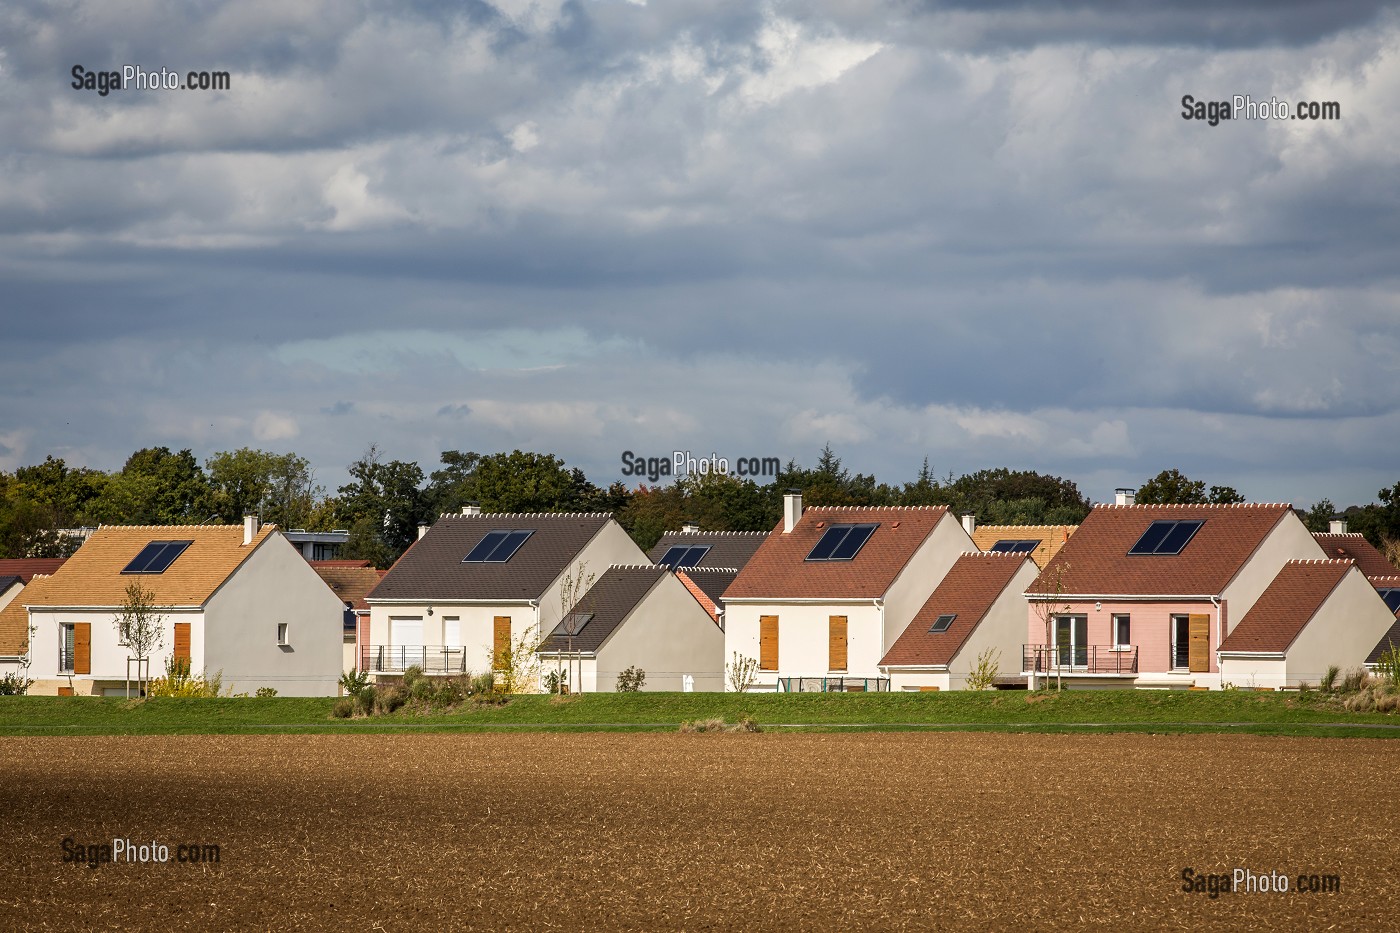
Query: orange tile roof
[[780, 570], [14, 619], [971, 586], [350, 584], [93, 575], [1371, 561], [1095, 560], [1051, 538], [1289, 603]]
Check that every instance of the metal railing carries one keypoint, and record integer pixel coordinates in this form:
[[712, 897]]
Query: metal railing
[[433, 659], [1080, 659], [834, 684]]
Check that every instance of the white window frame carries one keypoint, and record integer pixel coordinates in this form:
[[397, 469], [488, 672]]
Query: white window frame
[[67, 632], [1118, 643], [1178, 619]]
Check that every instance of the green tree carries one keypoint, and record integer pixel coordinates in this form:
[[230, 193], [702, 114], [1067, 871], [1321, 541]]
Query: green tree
[[1171, 487], [1319, 517], [155, 487], [383, 504], [279, 487]]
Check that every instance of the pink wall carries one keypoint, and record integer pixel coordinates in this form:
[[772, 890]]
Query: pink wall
[[1151, 628]]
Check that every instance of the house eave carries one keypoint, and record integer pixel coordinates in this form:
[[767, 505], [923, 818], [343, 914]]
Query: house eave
[[1118, 597]]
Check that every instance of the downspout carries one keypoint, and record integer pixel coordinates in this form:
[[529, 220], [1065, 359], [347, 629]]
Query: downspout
[[1219, 633], [535, 605], [879, 602]]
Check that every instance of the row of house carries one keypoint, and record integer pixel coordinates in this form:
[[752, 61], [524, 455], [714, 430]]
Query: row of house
[[833, 598]]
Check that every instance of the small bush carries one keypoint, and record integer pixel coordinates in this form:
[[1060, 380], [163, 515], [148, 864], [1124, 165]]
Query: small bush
[[352, 682], [14, 684], [556, 681], [1388, 665], [1329, 679], [421, 690], [390, 699], [716, 724], [984, 675], [1387, 703], [485, 682], [364, 700], [1360, 702], [1354, 680], [747, 724], [631, 680], [265, 692], [492, 698], [344, 708], [412, 675]]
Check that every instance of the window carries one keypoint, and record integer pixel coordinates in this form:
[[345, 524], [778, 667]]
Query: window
[[497, 547], [65, 649], [683, 555], [842, 542], [321, 551], [156, 557], [1122, 631], [281, 633], [941, 623], [1013, 546], [1167, 537], [1392, 598], [572, 623]]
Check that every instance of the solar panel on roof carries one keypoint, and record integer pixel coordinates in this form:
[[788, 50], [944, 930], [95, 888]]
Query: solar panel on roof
[[497, 547], [1012, 546], [1392, 598], [156, 557], [1166, 537], [683, 555], [842, 542], [572, 623]]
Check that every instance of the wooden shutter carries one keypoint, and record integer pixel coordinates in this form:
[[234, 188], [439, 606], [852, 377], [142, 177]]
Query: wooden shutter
[[1199, 643], [182, 641], [836, 650], [82, 647], [502, 643], [65, 691], [768, 643]]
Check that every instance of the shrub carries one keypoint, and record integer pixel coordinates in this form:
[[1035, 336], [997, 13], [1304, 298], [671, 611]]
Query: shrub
[[984, 675], [491, 698], [344, 708], [364, 700], [14, 684], [1387, 703], [1329, 679], [1354, 679], [556, 681], [485, 682], [1388, 665], [352, 682], [412, 675], [715, 724], [420, 690], [390, 699], [631, 680], [265, 692], [741, 672], [178, 682]]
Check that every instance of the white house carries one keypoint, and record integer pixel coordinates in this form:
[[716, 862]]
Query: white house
[[645, 617], [474, 586], [235, 600], [831, 588]]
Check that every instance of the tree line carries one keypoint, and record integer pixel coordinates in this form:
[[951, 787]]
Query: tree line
[[385, 499]]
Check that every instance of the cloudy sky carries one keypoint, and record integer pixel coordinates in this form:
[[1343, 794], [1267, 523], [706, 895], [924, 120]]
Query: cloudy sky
[[981, 233]]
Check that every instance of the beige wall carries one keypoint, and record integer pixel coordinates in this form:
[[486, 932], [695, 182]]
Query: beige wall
[[611, 545], [1003, 629], [668, 635], [913, 680], [804, 633], [108, 658], [1342, 632], [275, 584], [921, 576], [1290, 540]]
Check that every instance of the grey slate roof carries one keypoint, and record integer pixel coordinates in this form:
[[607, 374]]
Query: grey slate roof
[[8, 581], [433, 569], [615, 594], [727, 548]]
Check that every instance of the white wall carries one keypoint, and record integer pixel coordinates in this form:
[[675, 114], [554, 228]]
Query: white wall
[[804, 632], [275, 584], [108, 658], [477, 624], [907, 680], [668, 635]]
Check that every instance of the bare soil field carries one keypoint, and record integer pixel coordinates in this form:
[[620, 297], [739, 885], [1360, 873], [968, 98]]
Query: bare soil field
[[713, 832]]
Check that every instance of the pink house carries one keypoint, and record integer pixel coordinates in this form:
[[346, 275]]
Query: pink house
[[1143, 595]]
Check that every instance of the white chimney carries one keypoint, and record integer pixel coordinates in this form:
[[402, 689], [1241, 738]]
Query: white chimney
[[969, 523], [690, 528], [250, 527], [422, 530], [471, 508], [792, 509], [1124, 496], [1337, 526]]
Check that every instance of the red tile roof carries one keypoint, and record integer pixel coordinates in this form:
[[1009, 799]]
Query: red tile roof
[[339, 563], [350, 584], [969, 589], [26, 567], [1096, 562], [1371, 561], [1289, 602], [780, 569]]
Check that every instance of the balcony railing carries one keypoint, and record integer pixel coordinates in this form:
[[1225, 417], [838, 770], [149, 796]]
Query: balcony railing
[[1081, 659], [833, 684], [433, 659]]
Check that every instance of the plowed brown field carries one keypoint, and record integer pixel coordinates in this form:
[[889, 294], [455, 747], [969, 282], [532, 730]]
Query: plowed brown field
[[733, 832]]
